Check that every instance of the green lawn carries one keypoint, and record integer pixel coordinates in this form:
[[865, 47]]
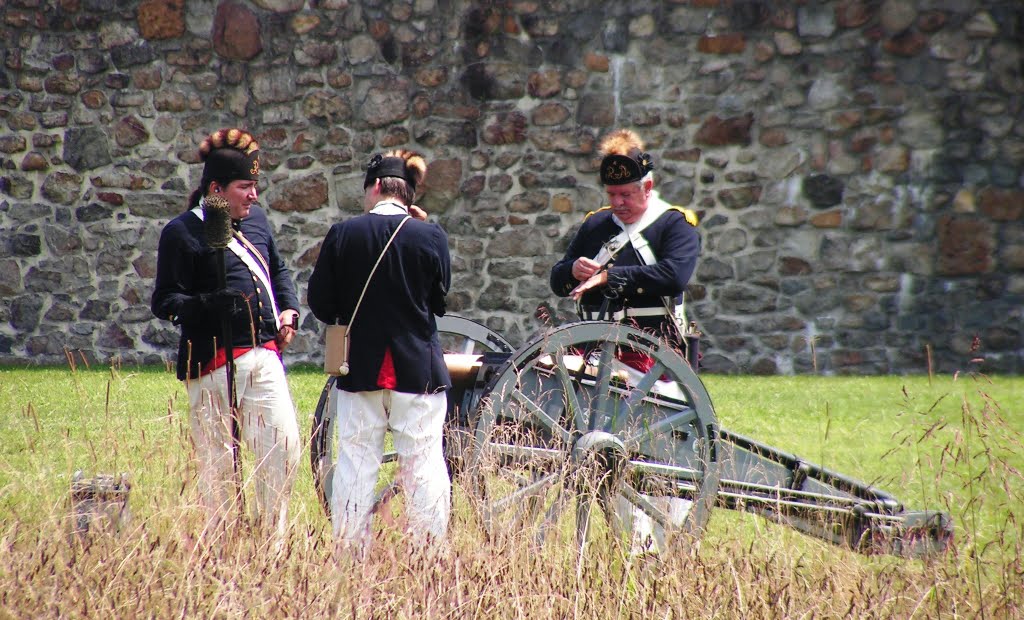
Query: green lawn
[[57, 420], [877, 428], [947, 443]]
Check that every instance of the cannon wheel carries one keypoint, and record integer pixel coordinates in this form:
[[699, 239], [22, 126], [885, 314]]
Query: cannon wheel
[[462, 335], [559, 436]]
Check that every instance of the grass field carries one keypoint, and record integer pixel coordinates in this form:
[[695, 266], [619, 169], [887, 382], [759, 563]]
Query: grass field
[[947, 443]]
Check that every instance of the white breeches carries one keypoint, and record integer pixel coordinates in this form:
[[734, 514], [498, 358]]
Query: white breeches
[[646, 534], [268, 427], [416, 422]]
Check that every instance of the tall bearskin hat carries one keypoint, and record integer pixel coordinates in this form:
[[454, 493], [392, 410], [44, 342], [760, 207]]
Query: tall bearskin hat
[[400, 163], [230, 155], [624, 158]]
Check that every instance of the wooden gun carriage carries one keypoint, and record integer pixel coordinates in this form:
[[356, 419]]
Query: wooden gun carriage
[[557, 429]]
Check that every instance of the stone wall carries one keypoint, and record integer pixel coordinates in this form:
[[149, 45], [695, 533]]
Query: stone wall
[[857, 163]]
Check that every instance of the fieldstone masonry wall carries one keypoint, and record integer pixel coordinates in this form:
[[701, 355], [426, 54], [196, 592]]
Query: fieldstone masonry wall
[[857, 163]]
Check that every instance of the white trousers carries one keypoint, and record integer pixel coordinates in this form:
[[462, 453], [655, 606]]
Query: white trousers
[[646, 534], [416, 422], [268, 427]]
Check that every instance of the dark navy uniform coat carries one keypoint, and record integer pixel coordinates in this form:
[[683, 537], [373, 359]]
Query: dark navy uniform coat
[[187, 266], [632, 284], [397, 312]]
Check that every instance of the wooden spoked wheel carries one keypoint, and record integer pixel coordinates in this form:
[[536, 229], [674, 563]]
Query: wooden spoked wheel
[[457, 334], [565, 426]]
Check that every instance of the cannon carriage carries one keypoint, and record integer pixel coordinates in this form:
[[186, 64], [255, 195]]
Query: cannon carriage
[[558, 435]]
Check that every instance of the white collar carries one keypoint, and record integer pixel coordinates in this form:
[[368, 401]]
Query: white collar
[[655, 208], [389, 207], [198, 209]]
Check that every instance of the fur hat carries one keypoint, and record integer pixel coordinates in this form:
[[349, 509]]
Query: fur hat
[[624, 158], [400, 163], [230, 155]]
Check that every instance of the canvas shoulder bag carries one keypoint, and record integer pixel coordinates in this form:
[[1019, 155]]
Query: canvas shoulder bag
[[337, 343]]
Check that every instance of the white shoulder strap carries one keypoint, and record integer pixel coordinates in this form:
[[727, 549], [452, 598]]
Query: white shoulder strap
[[631, 233], [656, 207], [643, 249], [259, 269]]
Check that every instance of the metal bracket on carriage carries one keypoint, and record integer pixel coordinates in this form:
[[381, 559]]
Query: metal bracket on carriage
[[911, 534]]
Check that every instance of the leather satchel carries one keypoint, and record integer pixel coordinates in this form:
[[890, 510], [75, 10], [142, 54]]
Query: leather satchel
[[336, 346], [336, 350]]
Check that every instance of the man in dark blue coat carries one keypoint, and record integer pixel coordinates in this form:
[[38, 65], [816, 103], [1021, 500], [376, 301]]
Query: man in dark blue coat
[[257, 303], [396, 376], [630, 262]]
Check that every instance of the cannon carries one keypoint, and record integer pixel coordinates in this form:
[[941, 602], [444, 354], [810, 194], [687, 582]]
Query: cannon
[[548, 435]]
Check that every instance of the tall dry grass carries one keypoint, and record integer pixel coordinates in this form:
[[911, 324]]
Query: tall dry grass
[[961, 457], [153, 570]]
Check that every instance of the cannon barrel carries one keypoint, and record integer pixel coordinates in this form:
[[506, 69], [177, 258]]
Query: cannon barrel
[[463, 368]]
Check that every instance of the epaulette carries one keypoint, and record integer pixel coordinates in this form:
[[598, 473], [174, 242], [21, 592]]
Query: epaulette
[[691, 216], [599, 210]]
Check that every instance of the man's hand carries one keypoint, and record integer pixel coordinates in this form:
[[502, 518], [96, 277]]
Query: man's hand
[[597, 280], [224, 301], [417, 213], [583, 268], [284, 336]]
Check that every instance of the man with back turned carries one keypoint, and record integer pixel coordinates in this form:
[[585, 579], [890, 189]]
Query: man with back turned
[[396, 377]]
